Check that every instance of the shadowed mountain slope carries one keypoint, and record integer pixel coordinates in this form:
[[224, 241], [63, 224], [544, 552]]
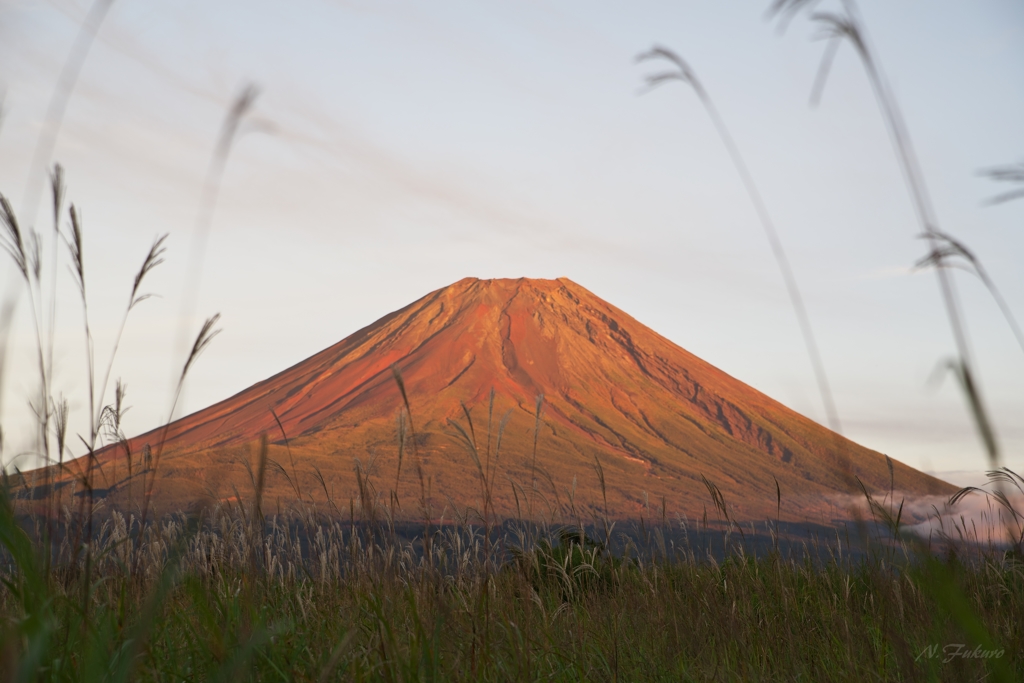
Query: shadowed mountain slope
[[618, 399]]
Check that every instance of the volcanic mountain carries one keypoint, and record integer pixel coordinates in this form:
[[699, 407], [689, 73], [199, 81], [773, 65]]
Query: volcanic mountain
[[618, 404]]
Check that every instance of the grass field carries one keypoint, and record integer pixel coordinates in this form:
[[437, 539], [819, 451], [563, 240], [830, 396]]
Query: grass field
[[229, 595]]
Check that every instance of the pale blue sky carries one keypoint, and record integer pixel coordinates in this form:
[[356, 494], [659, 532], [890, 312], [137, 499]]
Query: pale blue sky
[[413, 144]]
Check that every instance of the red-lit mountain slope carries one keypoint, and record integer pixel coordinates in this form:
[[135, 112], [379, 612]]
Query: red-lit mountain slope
[[654, 416]]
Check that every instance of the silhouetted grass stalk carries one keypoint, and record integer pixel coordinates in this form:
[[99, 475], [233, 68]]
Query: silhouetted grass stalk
[[685, 74], [24, 250], [847, 25], [58, 104], [240, 107], [1010, 173]]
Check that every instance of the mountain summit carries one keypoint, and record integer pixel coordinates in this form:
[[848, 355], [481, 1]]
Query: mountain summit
[[618, 402]]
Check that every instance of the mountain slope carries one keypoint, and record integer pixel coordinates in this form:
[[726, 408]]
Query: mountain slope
[[617, 397]]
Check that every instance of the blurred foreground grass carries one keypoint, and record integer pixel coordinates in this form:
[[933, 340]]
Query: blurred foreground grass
[[227, 596]]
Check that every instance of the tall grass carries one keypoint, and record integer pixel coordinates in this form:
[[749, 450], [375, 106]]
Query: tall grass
[[228, 593], [846, 25], [682, 72], [944, 254], [240, 107], [1009, 173], [59, 99]]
